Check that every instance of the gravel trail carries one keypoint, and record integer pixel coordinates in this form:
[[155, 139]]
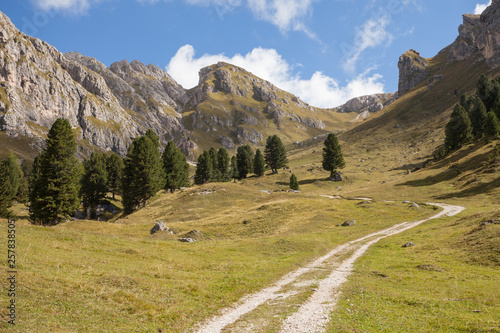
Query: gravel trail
[[313, 315]]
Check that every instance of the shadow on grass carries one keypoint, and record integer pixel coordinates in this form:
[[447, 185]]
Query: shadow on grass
[[454, 170], [472, 191], [306, 181]]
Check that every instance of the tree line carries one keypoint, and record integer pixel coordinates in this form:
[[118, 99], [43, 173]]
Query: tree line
[[59, 184], [475, 116], [216, 165]]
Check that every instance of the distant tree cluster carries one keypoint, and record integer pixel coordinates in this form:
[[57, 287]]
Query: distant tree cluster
[[216, 166], [475, 116], [59, 184]]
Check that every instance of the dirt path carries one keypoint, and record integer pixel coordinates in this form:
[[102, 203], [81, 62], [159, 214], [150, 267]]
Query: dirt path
[[313, 314]]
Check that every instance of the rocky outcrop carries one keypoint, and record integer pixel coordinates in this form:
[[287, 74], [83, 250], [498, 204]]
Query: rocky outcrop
[[479, 34], [106, 107], [412, 71], [370, 103]]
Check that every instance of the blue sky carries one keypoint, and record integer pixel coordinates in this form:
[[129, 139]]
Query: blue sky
[[324, 51]]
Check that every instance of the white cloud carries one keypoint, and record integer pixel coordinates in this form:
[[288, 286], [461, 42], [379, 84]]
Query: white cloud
[[74, 6], [285, 14], [371, 34], [222, 6], [481, 7], [320, 90]]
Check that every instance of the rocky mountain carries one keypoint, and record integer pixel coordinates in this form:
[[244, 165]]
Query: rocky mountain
[[108, 107], [479, 35], [478, 38]]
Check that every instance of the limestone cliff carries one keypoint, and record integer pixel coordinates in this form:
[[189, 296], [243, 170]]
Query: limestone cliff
[[479, 35], [413, 69]]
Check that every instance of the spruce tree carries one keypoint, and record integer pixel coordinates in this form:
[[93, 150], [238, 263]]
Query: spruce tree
[[294, 183], [176, 168], [15, 173], [223, 165], [259, 164], [478, 116], [143, 175], [114, 167], [94, 183], [486, 90], [234, 168], [458, 131], [55, 184], [204, 170], [492, 127], [216, 176], [244, 161], [496, 104], [332, 155], [275, 153], [5, 190]]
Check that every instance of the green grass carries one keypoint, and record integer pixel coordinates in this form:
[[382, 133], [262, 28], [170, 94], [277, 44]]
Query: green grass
[[90, 276], [448, 282]]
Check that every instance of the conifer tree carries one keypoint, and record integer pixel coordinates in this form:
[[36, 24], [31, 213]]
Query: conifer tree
[[22, 192], [259, 164], [216, 176], [478, 116], [294, 183], [114, 167], [5, 190], [492, 127], [234, 168], [496, 104], [244, 161], [55, 184], [94, 183], [176, 168], [203, 169], [486, 90], [143, 175], [223, 164], [15, 173], [458, 131], [332, 155], [275, 153]]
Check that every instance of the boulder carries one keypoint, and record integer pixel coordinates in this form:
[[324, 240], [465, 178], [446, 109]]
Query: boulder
[[187, 240], [159, 226], [337, 177], [348, 223]]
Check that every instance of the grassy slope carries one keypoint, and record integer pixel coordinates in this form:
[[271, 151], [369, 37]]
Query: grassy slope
[[89, 276]]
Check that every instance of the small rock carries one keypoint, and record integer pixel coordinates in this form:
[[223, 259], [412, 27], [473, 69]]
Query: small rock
[[349, 223], [159, 226], [410, 244], [186, 240], [415, 205]]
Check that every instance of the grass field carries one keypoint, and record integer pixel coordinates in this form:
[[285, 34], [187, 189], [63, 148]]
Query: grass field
[[89, 276]]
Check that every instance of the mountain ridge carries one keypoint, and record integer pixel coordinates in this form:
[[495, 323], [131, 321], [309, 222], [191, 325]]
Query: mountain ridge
[[230, 106]]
